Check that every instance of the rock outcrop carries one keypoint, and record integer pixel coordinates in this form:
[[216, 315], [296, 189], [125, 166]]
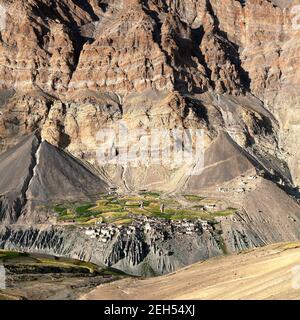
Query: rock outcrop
[[74, 67]]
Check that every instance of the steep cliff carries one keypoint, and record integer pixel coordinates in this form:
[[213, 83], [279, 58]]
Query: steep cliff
[[71, 68]]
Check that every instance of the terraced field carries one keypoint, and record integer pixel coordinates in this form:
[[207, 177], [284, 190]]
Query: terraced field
[[120, 209]]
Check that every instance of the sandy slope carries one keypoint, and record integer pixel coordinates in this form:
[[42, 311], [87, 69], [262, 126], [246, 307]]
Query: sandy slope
[[264, 273]]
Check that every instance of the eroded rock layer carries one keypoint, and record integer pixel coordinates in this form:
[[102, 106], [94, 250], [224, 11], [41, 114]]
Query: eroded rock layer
[[71, 68]]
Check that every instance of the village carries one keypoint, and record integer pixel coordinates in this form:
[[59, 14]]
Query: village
[[105, 232]]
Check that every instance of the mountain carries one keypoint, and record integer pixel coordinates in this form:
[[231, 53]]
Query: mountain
[[35, 172], [71, 69], [16, 168]]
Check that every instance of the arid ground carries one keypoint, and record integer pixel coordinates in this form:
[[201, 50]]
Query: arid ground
[[265, 273]]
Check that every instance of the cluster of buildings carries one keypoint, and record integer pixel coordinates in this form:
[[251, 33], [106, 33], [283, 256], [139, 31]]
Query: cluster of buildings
[[103, 233], [146, 225], [190, 227], [243, 187]]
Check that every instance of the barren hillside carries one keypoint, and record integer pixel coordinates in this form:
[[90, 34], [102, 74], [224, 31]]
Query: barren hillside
[[268, 273]]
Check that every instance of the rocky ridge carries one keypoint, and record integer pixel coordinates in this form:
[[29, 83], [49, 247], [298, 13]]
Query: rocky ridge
[[193, 68]]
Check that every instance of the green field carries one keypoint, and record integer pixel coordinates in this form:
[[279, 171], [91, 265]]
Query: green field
[[121, 209], [40, 277], [54, 264], [193, 198], [8, 255]]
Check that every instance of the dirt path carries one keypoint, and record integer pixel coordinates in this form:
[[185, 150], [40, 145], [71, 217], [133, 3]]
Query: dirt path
[[264, 273]]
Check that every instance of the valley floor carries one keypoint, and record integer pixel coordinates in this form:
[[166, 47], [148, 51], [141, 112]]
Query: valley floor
[[271, 272]]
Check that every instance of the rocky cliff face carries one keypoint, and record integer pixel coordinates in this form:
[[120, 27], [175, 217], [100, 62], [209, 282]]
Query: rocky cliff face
[[161, 249], [74, 67]]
